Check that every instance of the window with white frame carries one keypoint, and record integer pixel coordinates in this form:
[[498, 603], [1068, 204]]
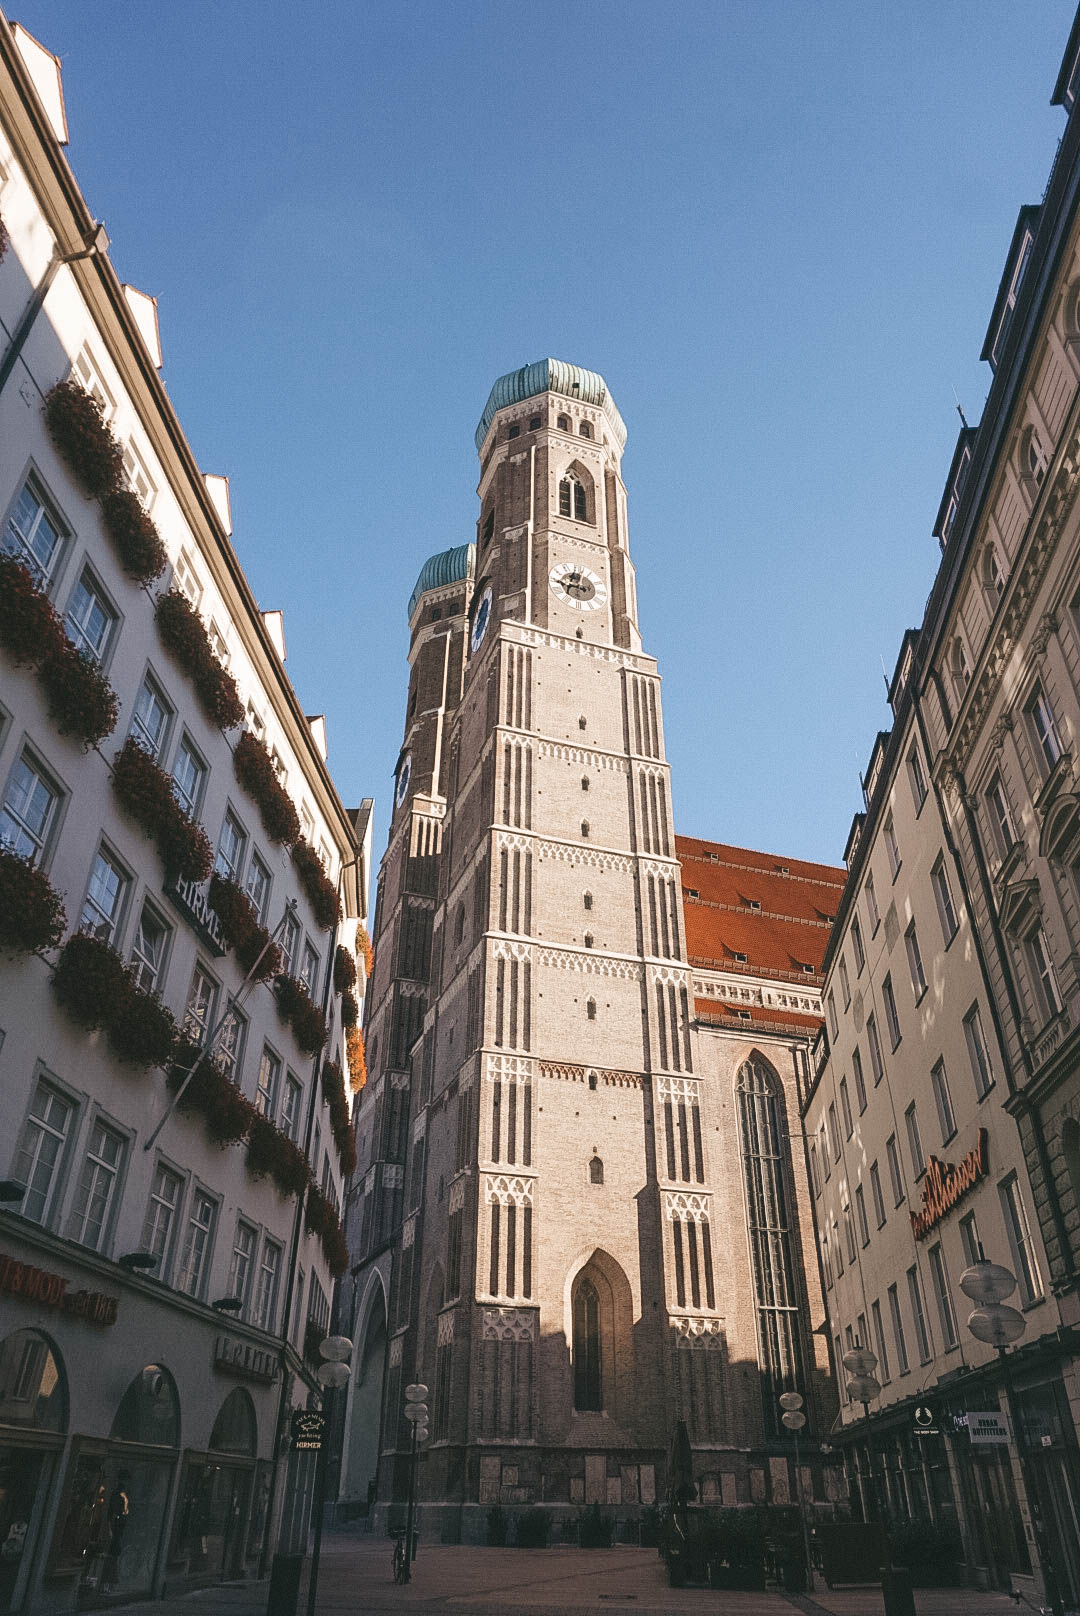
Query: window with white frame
[[939, 880], [267, 1084], [879, 1342], [309, 970], [137, 477], [1001, 821], [186, 579], [834, 1133], [198, 1244], [917, 776], [1025, 1261], [269, 1279], [860, 1214], [892, 1020], [242, 1267], [1033, 457], [892, 847], [875, 1191], [871, 904], [229, 1047], [892, 1156], [150, 718], [278, 763], [257, 885], [915, 964], [943, 1296], [860, 1081], [918, 1314], [961, 672], [149, 948], [307, 824], [290, 1108], [98, 1185], [219, 643], [230, 854], [838, 1250], [970, 1244], [255, 722], [857, 945], [103, 908], [1043, 976], [845, 986], [939, 1081], [189, 772], [290, 943], [845, 1109], [162, 1212], [29, 810], [982, 1069], [911, 1120], [830, 1005], [202, 997], [90, 620], [42, 1144], [877, 1065], [1023, 258], [993, 576], [849, 1233], [1044, 728], [34, 534], [89, 375], [898, 1330]]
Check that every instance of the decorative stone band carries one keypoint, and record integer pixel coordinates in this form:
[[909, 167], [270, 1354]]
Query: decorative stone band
[[509, 1069], [445, 1329], [945, 1184], [589, 858], [509, 1323], [419, 1127], [408, 1232], [587, 963], [677, 1088], [503, 950], [674, 975], [565, 1072], [507, 1191], [686, 1207], [581, 755], [563, 642], [393, 1177], [705, 1334], [765, 994]]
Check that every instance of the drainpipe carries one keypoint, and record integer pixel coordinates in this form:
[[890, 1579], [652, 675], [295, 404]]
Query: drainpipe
[[97, 242]]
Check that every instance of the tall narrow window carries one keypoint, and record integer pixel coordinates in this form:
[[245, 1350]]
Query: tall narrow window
[[918, 1165], [1043, 976], [888, 999], [588, 1386], [892, 846], [97, 1186], [917, 776], [90, 619], [33, 535], [1044, 727], [42, 1145], [102, 910], [997, 804], [892, 1156], [939, 877], [860, 1081], [877, 1065], [871, 904], [943, 1296], [857, 945], [150, 719], [860, 1213], [943, 1100], [1025, 1262], [918, 1314], [879, 1341], [898, 1330], [779, 1349], [978, 1052], [875, 1190], [915, 964]]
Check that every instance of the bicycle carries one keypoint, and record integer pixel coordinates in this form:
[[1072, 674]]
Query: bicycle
[[401, 1561]]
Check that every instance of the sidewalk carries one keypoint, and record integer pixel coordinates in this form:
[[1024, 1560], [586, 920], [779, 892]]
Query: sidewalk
[[355, 1580]]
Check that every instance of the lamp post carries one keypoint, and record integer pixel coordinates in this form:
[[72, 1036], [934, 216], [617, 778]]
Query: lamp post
[[998, 1325], [416, 1412], [333, 1372], [860, 1364], [794, 1419]]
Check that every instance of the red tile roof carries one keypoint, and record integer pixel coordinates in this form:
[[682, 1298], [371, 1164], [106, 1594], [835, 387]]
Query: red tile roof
[[776, 911]]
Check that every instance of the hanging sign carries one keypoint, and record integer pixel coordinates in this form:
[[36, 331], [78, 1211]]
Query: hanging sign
[[308, 1426], [193, 901], [946, 1183], [925, 1420], [991, 1426]]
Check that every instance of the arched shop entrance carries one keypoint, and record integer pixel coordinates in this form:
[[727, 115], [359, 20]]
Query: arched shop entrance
[[111, 1517], [211, 1539], [33, 1420]]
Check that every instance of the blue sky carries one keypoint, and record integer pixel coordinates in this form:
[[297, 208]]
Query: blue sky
[[776, 228]]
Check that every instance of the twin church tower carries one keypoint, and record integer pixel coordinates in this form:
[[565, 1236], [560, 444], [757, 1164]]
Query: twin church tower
[[581, 1212]]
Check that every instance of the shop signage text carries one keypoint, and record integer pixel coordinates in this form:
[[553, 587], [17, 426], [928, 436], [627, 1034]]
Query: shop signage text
[[945, 1184], [925, 1420], [243, 1358], [307, 1429], [51, 1290], [989, 1427], [192, 900]]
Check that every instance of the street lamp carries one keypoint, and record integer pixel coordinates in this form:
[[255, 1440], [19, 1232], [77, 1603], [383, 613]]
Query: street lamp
[[416, 1412], [860, 1364], [794, 1419], [998, 1325], [332, 1374]]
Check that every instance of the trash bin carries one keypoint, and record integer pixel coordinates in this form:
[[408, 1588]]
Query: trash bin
[[896, 1594], [284, 1595]]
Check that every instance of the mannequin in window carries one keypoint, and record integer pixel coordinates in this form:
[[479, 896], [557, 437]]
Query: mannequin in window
[[588, 1390]]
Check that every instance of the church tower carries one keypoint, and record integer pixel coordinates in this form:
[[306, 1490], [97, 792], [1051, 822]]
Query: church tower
[[542, 1170]]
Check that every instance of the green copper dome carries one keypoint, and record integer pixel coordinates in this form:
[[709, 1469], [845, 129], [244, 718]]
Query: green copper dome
[[550, 376], [448, 567]]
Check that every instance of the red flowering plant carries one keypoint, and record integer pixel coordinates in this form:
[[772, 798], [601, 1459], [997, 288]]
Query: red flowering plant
[[344, 970], [240, 927], [145, 791], [321, 891], [336, 1251], [82, 703], [144, 1032], [30, 627], [255, 772], [227, 1116], [272, 1154], [31, 910], [356, 1055], [321, 1219], [184, 636], [77, 427], [297, 1008], [134, 536], [333, 1089], [90, 981]]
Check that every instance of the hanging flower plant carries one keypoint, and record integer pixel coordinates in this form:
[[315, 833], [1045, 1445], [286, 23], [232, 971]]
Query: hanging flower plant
[[336, 1251], [77, 428], [145, 790], [5, 240], [249, 941], [350, 1010], [333, 1089], [90, 981], [30, 628], [135, 537], [255, 772], [364, 949], [321, 891], [356, 1056], [184, 636], [321, 1219], [144, 1033], [344, 970], [346, 1149], [272, 1154], [226, 1114], [301, 1013], [82, 703], [31, 910]]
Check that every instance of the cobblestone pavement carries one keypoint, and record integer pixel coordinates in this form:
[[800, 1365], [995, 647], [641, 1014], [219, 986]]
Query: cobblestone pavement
[[355, 1580]]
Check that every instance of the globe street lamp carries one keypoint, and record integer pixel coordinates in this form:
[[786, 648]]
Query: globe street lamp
[[998, 1325], [333, 1373], [416, 1412], [794, 1419], [863, 1387]]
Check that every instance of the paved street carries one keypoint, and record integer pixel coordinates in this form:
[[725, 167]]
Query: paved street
[[356, 1578]]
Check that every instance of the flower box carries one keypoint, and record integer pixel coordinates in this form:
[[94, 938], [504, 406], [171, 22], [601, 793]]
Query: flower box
[[344, 970], [356, 1055], [5, 240], [134, 536], [184, 636], [77, 428], [350, 1010], [320, 890], [98, 990], [333, 1088], [227, 1116], [321, 1219], [30, 627], [146, 792], [255, 772], [272, 1154], [365, 950], [240, 927], [299, 1011], [81, 701], [31, 910]]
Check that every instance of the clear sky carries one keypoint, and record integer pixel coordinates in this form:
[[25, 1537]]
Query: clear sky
[[776, 228]]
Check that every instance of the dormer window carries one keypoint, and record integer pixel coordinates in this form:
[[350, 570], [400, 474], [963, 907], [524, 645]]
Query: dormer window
[[572, 500], [739, 956], [755, 905], [563, 423]]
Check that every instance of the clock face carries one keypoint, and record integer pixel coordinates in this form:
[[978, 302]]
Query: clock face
[[404, 776], [578, 585], [481, 619]]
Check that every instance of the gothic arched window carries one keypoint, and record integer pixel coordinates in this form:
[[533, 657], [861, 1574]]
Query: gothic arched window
[[761, 1135], [590, 1009], [584, 430], [563, 423], [572, 499], [596, 1171], [588, 1387]]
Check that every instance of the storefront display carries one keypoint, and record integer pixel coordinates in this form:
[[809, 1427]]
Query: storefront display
[[210, 1537], [33, 1418]]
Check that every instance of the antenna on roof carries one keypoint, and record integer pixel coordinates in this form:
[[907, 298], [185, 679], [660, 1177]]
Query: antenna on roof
[[884, 674], [960, 410]]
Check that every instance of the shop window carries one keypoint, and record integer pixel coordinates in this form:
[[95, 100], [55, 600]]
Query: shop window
[[33, 1385], [234, 1429], [149, 1410]]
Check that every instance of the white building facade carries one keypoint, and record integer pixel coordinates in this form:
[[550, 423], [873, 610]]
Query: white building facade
[[181, 894]]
